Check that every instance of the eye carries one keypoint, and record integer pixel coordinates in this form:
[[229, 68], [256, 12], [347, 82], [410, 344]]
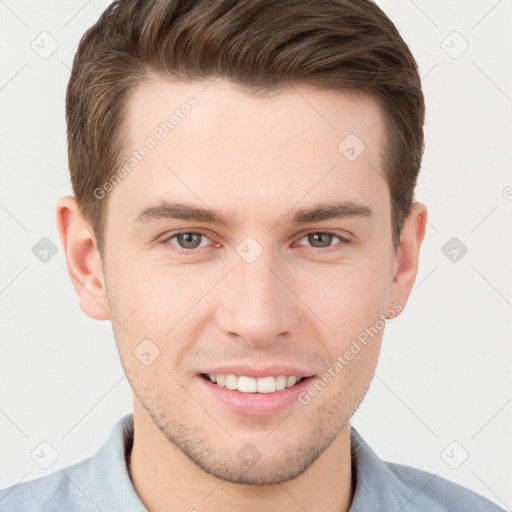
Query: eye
[[186, 241], [323, 240]]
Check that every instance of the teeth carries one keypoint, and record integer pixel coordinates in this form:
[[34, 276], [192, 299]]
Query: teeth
[[248, 384], [231, 381], [290, 381], [280, 383], [252, 385], [264, 384]]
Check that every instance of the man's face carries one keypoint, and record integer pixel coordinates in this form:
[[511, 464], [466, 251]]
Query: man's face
[[261, 290]]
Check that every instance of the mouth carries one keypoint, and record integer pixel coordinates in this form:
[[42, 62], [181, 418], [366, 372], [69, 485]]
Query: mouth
[[245, 384]]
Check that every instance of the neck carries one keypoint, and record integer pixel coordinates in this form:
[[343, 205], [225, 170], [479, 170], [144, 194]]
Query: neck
[[166, 480]]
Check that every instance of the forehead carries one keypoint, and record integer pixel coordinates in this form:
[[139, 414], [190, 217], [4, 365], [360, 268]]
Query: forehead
[[306, 112], [211, 142]]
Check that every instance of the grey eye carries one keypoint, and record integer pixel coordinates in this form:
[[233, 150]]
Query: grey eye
[[320, 239], [189, 240]]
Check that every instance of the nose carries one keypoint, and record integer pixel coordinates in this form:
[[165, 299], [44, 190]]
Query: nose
[[257, 303]]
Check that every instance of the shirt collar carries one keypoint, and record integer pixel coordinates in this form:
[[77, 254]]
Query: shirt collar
[[374, 481], [110, 473]]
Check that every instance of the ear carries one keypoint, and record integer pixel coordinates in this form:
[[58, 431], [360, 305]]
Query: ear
[[82, 258], [407, 257]]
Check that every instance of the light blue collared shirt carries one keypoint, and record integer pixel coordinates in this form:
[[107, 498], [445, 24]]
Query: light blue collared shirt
[[102, 483]]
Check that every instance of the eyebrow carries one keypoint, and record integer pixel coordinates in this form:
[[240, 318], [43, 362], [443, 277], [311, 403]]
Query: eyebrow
[[165, 209]]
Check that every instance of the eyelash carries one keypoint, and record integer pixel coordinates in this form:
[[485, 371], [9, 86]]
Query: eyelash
[[166, 241]]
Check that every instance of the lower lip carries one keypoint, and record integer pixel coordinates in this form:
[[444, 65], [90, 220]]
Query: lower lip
[[255, 404]]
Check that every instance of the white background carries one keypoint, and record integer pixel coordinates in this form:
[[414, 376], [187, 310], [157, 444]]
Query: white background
[[444, 373]]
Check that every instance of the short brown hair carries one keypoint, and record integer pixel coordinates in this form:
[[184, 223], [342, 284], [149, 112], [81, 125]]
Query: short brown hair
[[259, 45]]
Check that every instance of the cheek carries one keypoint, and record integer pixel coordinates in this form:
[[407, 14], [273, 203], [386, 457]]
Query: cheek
[[150, 301], [348, 297]]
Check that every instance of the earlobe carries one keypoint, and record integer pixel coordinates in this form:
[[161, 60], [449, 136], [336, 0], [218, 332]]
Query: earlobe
[[82, 258], [412, 237]]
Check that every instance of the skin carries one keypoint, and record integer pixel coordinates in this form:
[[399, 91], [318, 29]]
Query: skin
[[294, 304]]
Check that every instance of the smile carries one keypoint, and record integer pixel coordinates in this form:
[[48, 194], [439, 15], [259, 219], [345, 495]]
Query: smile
[[246, 384]]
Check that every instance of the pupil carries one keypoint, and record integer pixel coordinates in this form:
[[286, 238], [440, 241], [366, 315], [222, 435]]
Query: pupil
[[188, 238], [317, 236]]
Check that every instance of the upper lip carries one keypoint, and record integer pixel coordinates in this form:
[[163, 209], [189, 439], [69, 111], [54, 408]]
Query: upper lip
[[256, 372]]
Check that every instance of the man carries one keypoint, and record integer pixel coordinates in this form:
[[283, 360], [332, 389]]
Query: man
[[244, 213]]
